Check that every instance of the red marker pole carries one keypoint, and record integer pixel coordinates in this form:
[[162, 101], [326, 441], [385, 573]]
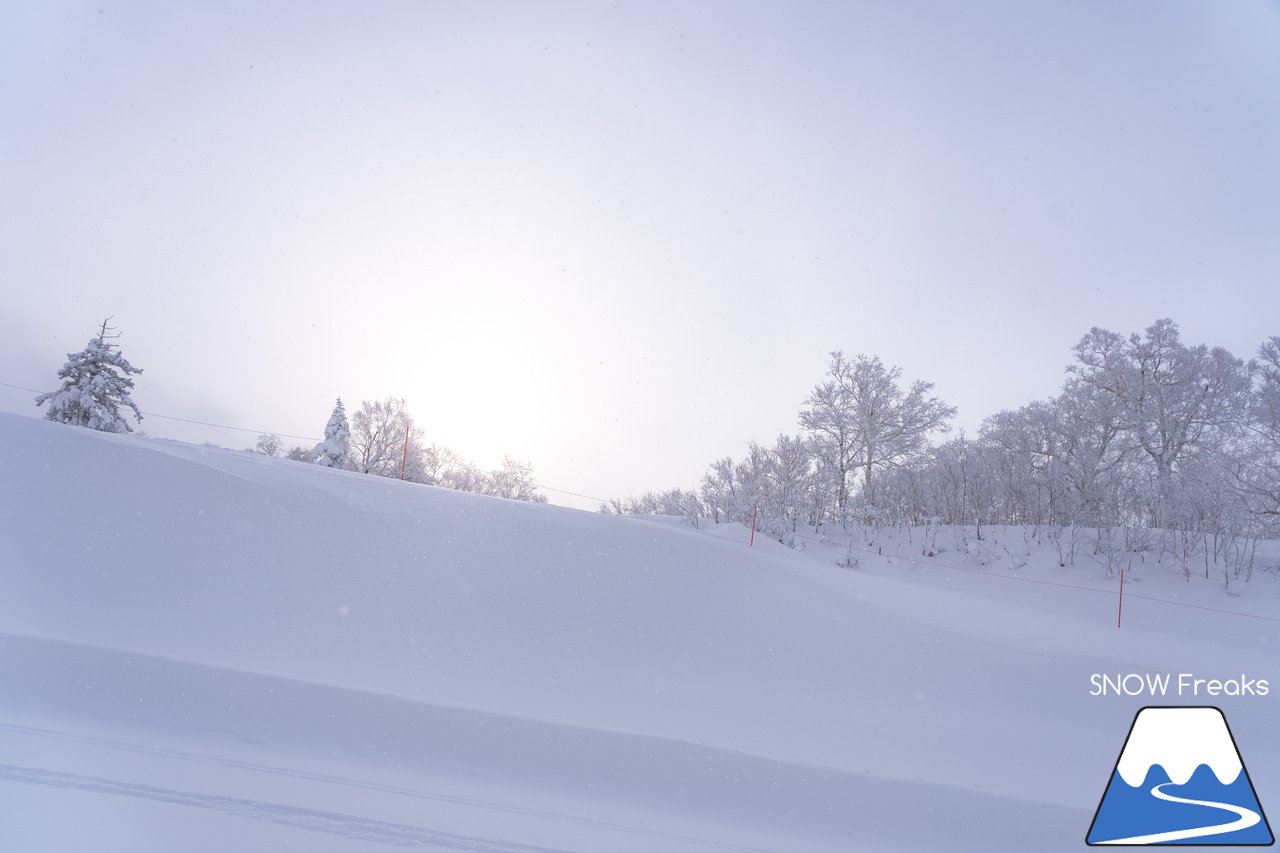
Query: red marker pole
[[405, 460], [754, 510], [1120, 609]]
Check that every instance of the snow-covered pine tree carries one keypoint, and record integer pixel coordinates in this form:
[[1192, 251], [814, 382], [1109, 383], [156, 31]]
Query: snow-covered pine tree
[[95, 384], [332, 452]]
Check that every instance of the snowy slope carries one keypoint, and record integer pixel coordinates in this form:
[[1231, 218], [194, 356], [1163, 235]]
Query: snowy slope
[[206, 649]]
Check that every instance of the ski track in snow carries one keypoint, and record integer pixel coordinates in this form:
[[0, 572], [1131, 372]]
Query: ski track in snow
[[1245, 819], [364, 828], [351, 826]]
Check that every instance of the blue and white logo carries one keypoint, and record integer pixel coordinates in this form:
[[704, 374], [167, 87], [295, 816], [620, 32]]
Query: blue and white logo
[[1180, 780]]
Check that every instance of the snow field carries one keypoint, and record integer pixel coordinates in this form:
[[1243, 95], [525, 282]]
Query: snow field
[[246, 652]]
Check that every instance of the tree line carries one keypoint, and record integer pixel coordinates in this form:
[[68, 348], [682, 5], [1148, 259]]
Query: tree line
[[380, 439], [1150, 442]]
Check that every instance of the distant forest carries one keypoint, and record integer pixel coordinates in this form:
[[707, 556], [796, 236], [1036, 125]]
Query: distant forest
[[1150, 442]]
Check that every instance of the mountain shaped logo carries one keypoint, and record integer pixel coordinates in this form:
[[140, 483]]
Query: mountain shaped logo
[[1180, 780]]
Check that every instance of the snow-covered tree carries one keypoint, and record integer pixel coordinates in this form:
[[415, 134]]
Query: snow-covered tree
[[1174, 399], [772, 484], [725, 498], [1266, 405], [377, 444], [862, 419], [1021, 451], [832, 427], [513, 481], [95, 385], [790, 481], [445, 467], [332, 452], [300, 454], [1257, 466], [1093, 448], [678, 502], [269, 444]]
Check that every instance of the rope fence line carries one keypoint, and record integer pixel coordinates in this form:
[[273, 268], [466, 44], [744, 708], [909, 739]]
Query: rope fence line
[[189, 421], [1201, 607], [575, 494], [20, 388], [241, 429], [466, 465], [951, 567]]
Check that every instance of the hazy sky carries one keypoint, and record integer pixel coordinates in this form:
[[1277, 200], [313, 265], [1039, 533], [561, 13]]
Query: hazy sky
[[618, 240]]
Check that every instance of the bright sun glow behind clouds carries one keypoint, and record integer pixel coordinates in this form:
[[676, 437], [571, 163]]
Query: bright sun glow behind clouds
[[618, 240]]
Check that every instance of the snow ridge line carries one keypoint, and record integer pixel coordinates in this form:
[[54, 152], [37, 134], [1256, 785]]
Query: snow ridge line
[[367, 785]]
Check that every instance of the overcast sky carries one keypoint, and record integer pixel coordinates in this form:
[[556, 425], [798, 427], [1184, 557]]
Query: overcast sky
[[618, 240]]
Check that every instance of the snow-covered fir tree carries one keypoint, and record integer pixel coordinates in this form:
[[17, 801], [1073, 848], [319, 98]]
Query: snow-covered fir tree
[[332, 452], [95, 385]]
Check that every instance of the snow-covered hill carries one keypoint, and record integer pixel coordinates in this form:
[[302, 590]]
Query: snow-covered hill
[[211, 650]]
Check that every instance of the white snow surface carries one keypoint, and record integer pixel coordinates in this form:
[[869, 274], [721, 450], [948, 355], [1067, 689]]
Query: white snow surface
[[206, 649], [1179, 740]]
